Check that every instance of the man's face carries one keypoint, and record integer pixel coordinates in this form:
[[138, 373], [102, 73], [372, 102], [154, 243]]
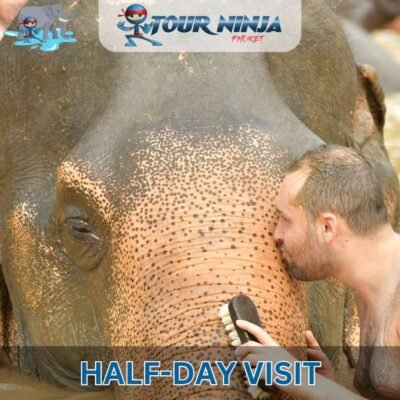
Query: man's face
[[296, 235]]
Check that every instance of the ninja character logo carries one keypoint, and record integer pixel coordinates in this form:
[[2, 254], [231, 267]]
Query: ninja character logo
[[30, 30], [135, 15]]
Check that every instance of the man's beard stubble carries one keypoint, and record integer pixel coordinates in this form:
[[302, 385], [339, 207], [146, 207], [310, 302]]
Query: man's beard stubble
[[308, 261]]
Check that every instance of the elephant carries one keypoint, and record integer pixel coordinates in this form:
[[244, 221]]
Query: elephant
[[46, 17], [131, 210]]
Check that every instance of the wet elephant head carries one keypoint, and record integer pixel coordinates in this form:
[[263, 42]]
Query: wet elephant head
[[137, 191]]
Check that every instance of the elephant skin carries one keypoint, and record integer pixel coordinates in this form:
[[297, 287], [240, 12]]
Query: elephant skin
[[46, 17], [137, 195]]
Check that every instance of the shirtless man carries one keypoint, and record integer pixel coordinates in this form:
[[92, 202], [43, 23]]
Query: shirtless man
[[333, 223]]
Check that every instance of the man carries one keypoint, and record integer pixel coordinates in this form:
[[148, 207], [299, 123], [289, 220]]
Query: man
[[333, 223]]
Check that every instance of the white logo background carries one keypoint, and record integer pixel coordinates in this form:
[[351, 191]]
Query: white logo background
[[289, 12]]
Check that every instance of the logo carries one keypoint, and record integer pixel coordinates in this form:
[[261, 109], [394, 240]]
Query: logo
[[200, 25], [42, 27], [135, 16]]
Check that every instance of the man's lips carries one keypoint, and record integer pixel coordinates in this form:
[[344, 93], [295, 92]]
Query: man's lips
[[285, 255], [282, 249]]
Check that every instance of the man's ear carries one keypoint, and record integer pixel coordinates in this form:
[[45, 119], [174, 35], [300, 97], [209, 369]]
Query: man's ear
[[327, 226], [374, 95]]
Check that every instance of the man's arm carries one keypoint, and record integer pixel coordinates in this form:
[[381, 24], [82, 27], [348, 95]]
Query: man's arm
[[268, 350]]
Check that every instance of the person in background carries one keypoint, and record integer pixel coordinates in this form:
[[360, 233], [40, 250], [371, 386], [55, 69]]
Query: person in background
[[371, 14]]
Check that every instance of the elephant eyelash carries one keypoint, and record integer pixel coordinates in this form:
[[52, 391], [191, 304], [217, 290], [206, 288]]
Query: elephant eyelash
[[82, 230]]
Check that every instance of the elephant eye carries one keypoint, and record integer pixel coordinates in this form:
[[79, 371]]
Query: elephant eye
[[82, 243], [81, 230]]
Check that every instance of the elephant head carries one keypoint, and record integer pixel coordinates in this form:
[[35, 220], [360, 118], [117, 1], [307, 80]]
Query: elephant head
[[55, 12], [137, 192]]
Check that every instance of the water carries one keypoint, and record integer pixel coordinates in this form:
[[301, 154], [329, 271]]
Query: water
[[49, 45], [14, 386]]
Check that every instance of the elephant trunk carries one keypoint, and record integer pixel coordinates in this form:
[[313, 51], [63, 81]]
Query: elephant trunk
[[172, 283]]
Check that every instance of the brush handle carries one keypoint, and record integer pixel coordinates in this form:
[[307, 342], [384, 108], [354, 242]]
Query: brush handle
[[241, 307]]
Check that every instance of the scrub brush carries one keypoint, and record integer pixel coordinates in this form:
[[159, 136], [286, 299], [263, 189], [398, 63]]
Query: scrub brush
[[241, 307]]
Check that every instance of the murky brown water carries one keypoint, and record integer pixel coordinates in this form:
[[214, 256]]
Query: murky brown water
[[13, 386]]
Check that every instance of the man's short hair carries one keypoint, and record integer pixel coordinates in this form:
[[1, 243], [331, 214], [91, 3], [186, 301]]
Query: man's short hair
[[339, 179]]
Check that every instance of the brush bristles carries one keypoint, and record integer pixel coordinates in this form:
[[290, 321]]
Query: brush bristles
[[258, 393], [226, 319]]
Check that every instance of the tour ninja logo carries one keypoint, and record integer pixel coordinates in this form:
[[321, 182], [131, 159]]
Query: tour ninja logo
[[240, 25], [200, 25]]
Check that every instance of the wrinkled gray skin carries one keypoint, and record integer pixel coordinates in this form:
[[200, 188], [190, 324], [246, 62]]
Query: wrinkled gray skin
[[47, 17], [137, 193]]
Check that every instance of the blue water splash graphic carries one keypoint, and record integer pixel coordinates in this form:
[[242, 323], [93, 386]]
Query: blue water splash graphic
[[44, 45]]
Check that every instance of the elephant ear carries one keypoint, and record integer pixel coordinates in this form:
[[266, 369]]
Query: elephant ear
[[374, 94], [7, 320], [368, 117], [49, 11], [351, 329], [367, 136], [3, 288], [10, 340]]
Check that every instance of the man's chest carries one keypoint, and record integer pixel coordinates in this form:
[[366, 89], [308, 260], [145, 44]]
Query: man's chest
[[378, 369]]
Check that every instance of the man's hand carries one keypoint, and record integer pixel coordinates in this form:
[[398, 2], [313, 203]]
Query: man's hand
[[9, 9], [325, 389], [315, 353], [266, 350]]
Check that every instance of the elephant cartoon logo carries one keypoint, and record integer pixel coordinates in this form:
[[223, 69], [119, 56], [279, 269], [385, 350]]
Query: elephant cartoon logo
[[43, 27]]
